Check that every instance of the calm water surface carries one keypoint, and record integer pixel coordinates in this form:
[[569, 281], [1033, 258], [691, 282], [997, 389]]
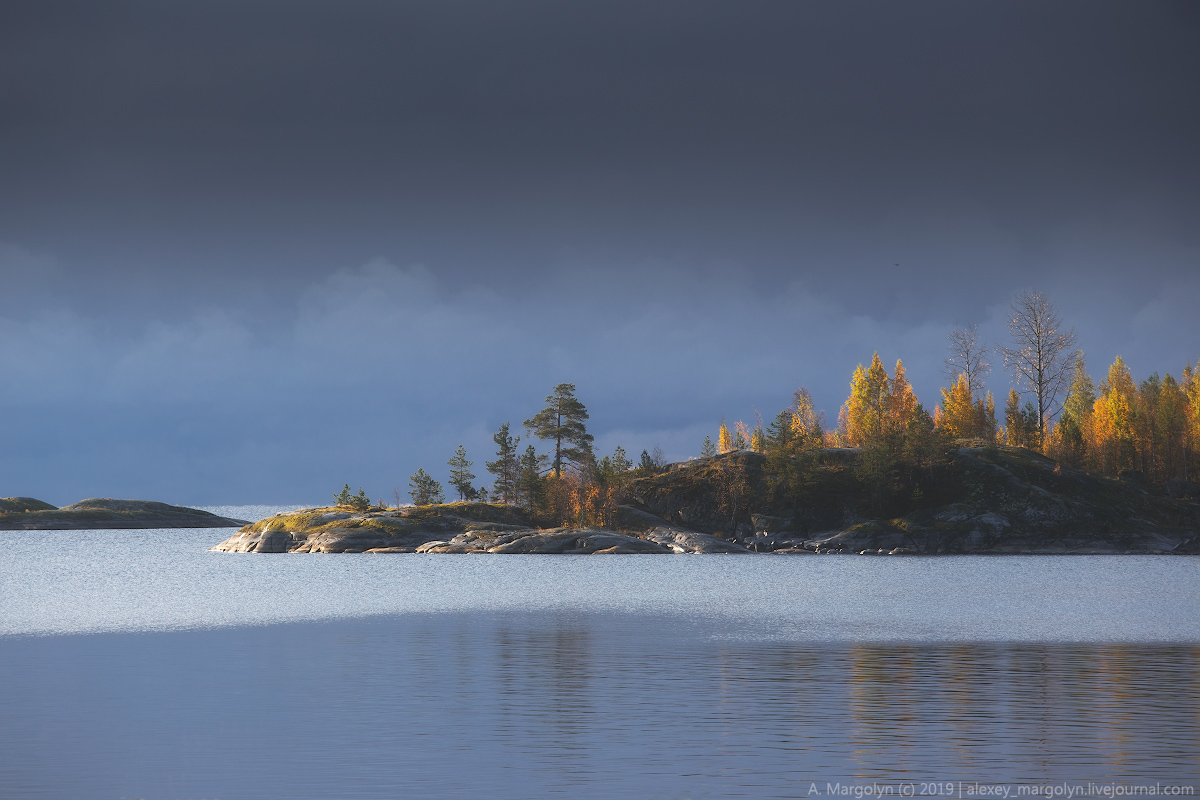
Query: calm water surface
[[137, 664]]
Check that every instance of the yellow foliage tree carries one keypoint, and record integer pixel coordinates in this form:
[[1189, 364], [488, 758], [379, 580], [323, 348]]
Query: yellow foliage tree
[[724, 440], [903, 400], [866, 410], [1191, 391], [958, 415], [1112, 419]]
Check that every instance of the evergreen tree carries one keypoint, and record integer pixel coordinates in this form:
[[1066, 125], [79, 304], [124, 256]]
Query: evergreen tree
[[621, 463], [1076, 419], [1014, 421], [460, 473], [531, 486], [614, 471], [793, 443], [356, 502], [758, 440], [708, 449], [424, 490], [646, 464], [562, 420], [989, 429], [506, 467], [741, 436], [920, 439]]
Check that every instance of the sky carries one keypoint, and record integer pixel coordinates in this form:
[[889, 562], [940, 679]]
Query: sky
[[252, 251]]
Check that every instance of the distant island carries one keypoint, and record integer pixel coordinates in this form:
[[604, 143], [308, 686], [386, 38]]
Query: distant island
[[1079, 469], [976, 498], [26, 513]]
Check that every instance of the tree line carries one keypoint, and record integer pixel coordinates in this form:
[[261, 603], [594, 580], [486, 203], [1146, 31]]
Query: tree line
[[568, 485], [1055, 407]]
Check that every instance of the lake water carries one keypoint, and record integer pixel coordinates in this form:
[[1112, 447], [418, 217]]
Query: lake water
[[136, 664]]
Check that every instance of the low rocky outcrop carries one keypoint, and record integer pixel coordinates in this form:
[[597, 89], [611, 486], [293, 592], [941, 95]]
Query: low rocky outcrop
[[461, 528], [26, 513]]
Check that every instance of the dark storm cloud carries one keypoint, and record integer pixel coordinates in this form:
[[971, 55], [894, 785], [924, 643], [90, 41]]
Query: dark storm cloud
[[688, 209]]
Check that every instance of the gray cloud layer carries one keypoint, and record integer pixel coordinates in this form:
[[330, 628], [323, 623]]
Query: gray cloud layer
[[212, 220]]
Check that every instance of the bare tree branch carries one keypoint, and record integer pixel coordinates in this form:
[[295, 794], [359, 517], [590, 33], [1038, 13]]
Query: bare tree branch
[[1040, 358], [968, 356]]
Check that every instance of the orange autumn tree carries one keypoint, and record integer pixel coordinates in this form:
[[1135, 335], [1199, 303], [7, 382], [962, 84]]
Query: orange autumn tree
[[902, 401], [1191, 411], [962, 416], [878, 417], [864, 416], [956, 414]]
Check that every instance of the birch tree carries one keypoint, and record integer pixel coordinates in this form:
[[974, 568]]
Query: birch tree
[[1039, 358]]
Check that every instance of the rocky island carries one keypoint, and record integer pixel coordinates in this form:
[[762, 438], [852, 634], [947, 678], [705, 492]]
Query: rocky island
[[980, 499], [26, 513]]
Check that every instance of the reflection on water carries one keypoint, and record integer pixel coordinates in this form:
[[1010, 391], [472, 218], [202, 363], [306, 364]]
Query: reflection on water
[[571, 705]]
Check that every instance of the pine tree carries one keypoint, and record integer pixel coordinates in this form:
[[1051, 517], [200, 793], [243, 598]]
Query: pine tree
[[1074, 424], [562, 420], [614, 471], [506, 467], [1014, 421], [357, 502], [708, 449], [424, 490], [531, 486], [741, 436], [460, 473], [989, 429]]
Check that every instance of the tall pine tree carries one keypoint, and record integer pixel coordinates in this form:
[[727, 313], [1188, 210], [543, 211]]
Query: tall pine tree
[[461, 475], [562, 421], [506, 467]]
